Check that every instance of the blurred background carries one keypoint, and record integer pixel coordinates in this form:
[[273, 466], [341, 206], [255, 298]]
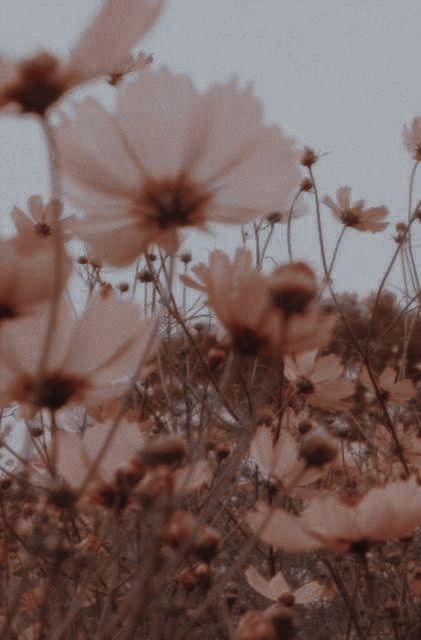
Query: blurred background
[[339, 76]]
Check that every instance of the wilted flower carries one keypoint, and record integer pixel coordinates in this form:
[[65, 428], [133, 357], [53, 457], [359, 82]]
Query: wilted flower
[[34, 84], [412, 138], [319, 380], [355, 215], [148, 172]]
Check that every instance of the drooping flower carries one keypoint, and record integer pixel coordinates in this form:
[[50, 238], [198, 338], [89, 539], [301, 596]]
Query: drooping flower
[[90, 359], [354, 215], [384, 513], [412, 138], [26, 280], [277, 588], [40, 224], [34, 84], [392, 390], [171, 158], [319, 381]]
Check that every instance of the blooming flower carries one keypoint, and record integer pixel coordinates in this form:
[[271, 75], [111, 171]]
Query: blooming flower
[[34, 84], [384, 513], [280, 461], [319, 380], [355, 215], [168, 159], [277, 587], [89, 359], [391, 390], [263, 314], [412, 138], [40, 224]]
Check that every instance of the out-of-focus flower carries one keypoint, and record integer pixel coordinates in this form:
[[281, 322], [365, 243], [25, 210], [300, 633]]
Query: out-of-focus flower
[[168, 159], [34, 84], [412, 138], [277, 587], [355, 215], [75, 452], [391, 390], [384, 513], [262, 314], [319, 380], [40, 224], [280, 461], [26, 280], [90, 359]]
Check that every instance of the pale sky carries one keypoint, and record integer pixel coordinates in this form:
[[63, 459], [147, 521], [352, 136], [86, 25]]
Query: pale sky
[[340, 76]]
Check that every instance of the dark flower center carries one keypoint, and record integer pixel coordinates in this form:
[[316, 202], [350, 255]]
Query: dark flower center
[[247, 342], [7, 311], [53, 392], [304, 385], [42, 229], [350, 218], [38, 85], [292, 299], [172, 202]]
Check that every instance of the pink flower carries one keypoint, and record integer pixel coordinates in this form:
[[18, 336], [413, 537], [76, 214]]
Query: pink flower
[[277, 587], [26, 280], [319, 380], [90, 359], [38, 227], [412, 138], [392, 390], [171, 158], [355, 215], [36, 83]]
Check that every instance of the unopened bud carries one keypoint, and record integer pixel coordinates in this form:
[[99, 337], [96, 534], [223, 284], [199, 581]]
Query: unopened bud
[[308, 157]]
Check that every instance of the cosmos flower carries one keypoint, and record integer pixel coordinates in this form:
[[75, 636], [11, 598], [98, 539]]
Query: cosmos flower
[[412, 138], [90, 358], [34, 84], [319, 380], [280, 461], [26, 280], [262, 314], [391, 390], [384, 513], [168, 159], [277, 588], [355, 215], [40, 224]]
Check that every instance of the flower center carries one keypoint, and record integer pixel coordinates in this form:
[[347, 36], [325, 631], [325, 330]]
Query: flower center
[[304, 385], [292, 299], [7, 311], [53, 392], [247, 342], [172, 202], [38, 85], [42, 229], [349, 217]]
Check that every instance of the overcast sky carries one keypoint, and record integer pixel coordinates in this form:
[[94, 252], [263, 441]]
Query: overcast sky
[[340, 76]]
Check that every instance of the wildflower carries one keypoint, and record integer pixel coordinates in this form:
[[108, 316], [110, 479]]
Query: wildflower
[[90, 359], [412, 138], [40, 224], [238, 294], [384, 513], [34, 84], [26, 280], [148, 172], [355, 215], [277, 588], [319, 381], [76, 452], [280, 461], [390, 390]]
